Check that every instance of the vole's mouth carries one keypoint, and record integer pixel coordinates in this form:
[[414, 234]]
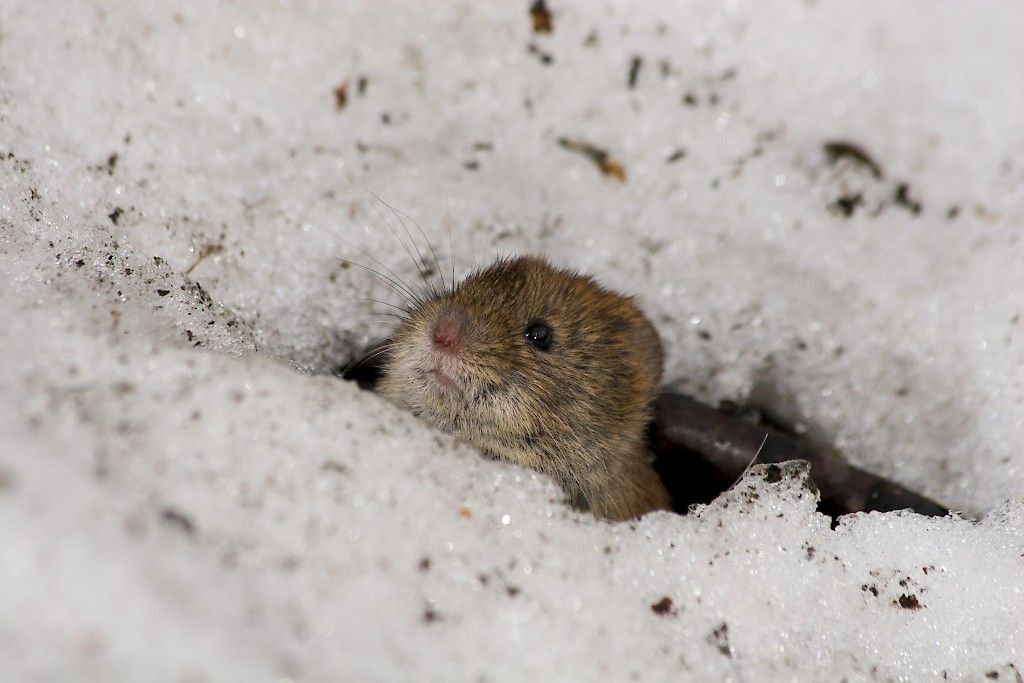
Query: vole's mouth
[[445, 382]]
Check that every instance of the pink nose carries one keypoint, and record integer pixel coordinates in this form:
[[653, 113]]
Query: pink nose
[[449, 335]]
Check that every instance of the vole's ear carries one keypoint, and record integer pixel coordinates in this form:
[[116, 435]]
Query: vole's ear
[[647, 343]]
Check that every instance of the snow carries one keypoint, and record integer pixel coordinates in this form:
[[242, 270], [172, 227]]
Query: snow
[[186, 493]]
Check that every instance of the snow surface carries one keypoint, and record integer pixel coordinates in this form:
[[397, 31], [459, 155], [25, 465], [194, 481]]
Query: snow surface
[[187, 494]]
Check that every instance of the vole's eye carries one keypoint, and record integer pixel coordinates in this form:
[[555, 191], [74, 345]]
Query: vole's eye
[[539, 334]]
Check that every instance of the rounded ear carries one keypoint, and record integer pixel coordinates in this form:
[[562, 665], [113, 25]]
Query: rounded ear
[[646, 341]]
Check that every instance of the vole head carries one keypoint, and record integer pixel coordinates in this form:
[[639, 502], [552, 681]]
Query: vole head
[[529, 362]]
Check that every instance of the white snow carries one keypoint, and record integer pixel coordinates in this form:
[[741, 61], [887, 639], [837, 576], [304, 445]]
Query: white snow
[[187, 494]]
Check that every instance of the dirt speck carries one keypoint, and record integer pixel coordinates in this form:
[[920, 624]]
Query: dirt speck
[[663, 607], [341, 95], [178, 520], [902, 198], [634, 71], [333, 466], [720, 639], [676, 156], [540, 16], [546, 58], [604, 161], [847, 204], [841, 149], [910, 601]]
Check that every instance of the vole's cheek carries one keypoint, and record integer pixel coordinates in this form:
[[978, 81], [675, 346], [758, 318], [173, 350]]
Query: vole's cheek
[[488, 391]]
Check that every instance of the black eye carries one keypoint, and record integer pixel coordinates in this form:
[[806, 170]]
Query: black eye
[[539, 334]]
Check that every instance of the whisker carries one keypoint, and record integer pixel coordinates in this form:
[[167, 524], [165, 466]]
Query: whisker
[[394, 233], [370, 354], [419, 263], [404, 311], [401, 290], [408, 287], [752, 461], [387, 319], [437, 263]]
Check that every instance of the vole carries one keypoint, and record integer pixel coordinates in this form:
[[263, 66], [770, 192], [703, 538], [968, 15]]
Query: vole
[[542, 367]]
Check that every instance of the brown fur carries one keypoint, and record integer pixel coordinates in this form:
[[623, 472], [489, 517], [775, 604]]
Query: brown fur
[[576, 412]]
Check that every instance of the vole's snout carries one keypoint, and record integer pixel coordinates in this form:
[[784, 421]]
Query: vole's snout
[[450, 333]]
